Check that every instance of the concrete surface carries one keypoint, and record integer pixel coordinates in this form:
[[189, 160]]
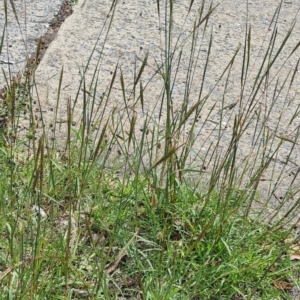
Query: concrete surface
[[21, 33], [136, 30]]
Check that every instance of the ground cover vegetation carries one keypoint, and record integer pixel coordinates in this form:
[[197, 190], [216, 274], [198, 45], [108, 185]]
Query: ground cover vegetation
[[92, 222]]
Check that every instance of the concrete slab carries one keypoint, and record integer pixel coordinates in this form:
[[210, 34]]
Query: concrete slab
[[25, 22], [136, 31]]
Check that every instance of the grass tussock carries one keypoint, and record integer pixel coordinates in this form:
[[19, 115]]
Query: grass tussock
[[116, 210]]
